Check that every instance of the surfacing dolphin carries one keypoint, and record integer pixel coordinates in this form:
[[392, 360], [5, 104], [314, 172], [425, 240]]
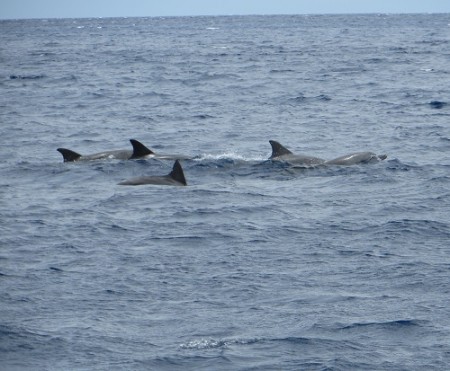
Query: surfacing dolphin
[[281, 153], [174, 178], [138, 151]]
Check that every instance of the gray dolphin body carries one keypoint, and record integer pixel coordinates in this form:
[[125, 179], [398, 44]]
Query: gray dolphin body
[[175, 178], [356, 158], [281, 153], [139, 151]]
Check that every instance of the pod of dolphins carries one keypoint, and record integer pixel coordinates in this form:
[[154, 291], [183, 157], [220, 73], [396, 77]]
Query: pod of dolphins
[[176, 176]]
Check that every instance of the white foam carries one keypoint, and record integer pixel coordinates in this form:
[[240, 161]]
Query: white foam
[[228, 156], [202, 344]]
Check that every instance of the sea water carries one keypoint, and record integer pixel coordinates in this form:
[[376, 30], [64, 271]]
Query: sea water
[[255, 265]]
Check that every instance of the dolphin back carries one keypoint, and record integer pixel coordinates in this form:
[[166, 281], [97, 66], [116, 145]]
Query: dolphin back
[[175, 178], [356, 158]]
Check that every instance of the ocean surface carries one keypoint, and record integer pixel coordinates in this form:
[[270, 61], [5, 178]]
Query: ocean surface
[[255, 265]]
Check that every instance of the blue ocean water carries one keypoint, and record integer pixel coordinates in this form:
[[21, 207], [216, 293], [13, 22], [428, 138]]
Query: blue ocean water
[[255, 265]]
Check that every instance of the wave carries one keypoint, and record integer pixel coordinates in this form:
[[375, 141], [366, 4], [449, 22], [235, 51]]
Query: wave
[[27, 77], [214, 362], [16, 338], [302, 99], [203, 116], [436, 104], [300, 353], [388, 325], [211, 343], [418, 226]]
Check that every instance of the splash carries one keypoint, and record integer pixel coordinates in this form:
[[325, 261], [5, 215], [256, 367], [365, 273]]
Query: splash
[[231, 156]]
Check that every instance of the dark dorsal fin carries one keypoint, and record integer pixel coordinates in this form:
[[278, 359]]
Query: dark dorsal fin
[[177, 173], [278, 149], [139, 150], [69, 155]]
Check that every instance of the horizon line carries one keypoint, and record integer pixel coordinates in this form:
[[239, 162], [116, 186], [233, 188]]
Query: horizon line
[[221, 15]]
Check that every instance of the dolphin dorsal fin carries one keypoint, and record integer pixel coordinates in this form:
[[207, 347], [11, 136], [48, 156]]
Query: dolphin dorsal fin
[[139, 150], [177, 173], [278, 149], [68, 155]]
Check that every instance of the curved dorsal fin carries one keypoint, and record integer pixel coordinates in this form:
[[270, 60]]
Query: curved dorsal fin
[[278, 149], [139, 150], [177, 173], [68, 155]]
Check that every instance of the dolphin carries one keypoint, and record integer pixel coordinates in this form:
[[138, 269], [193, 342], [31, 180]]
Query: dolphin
[[138, 151], [174, 178], [356, 158], [281, 153]]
